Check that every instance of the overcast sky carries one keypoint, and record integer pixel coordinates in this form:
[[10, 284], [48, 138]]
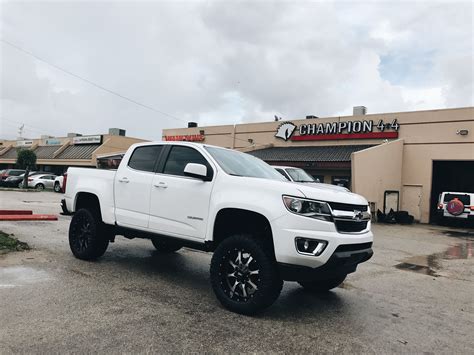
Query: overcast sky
[[219, 62]]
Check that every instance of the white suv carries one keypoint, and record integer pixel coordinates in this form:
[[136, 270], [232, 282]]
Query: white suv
[[455, 205]]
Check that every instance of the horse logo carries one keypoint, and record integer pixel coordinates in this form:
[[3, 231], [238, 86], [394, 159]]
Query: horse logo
[[285, 131]]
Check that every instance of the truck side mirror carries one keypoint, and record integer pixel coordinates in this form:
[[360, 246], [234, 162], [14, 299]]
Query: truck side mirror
[[198, 171]]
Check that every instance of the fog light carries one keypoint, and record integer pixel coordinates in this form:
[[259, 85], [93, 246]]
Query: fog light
[[306, 245], [310, 246]]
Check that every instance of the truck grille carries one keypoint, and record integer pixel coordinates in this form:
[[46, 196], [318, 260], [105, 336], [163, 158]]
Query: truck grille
[[347, 207], [350, 226]]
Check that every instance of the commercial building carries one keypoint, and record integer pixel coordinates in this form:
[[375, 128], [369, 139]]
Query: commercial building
[[56, 154], [399, 160]]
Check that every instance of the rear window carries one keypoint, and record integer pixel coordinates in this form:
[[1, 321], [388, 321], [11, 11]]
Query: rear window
[[464, 198], [16, 172], [144, 158]]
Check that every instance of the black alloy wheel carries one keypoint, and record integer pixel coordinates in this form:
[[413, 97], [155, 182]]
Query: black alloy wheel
[[240, 275], [244, 274], [88, 239]]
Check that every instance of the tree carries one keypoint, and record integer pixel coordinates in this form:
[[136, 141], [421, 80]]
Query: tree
[[26, 159]]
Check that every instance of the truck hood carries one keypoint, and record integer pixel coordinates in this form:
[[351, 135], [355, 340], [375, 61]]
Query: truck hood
[[324, 193], [312, 191], [323, 186]]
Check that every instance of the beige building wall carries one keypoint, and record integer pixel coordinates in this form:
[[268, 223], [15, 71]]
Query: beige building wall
[[376, 170], [416, 126]]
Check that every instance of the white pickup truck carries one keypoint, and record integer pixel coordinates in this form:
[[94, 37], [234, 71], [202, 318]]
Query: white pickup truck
[[261, 228]]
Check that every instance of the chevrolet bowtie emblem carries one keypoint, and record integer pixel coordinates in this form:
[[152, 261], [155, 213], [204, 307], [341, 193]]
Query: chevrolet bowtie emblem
[[358, 216]]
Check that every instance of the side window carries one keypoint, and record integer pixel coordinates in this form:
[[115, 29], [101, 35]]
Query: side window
[[144, 158], [180, 156]]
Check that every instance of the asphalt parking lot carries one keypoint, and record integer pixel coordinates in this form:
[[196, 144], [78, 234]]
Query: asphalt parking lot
[[414, 296]]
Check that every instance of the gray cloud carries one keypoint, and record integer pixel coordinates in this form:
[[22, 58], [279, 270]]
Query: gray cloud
[[223, 63]]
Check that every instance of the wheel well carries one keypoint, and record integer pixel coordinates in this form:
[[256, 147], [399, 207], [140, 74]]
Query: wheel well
[[87, 200], [230, 221]]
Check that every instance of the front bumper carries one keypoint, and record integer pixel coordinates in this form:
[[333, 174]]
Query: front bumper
[[290, 226], [342, 262]]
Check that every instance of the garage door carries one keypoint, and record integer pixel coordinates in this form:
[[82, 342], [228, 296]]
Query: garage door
[[457, 176]]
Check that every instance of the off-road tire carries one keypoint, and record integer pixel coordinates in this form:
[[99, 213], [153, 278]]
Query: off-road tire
[[165, 246], [88, 236], [267, 280], [322, 285], [57, 187]]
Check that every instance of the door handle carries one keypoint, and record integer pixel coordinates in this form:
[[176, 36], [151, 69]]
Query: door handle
[[161, 184], [124, 179]]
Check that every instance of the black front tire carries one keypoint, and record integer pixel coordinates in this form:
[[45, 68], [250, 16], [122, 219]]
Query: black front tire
[[39, 187], [255, 283], [88, 236], [165, 246], [322, 285]]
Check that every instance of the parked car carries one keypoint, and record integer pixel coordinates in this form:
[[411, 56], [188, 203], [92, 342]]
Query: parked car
[[262, 229], [300, 176], [455, 205], [41, 181], [60, 183], [10, 172], [17, 181]]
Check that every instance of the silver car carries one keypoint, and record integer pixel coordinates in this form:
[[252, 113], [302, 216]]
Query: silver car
[[41, 181]]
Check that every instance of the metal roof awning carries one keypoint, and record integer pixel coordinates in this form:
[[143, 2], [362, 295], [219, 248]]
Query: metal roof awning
[[46, 152], [339, 153], [82, 151]]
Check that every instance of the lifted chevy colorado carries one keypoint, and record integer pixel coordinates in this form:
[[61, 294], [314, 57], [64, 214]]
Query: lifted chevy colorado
[[261, 228]]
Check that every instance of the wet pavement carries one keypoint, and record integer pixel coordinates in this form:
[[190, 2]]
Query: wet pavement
[[416, 295]]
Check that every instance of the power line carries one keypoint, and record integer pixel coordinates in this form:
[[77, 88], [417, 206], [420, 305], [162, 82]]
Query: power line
[[91, 82], [100, 86]]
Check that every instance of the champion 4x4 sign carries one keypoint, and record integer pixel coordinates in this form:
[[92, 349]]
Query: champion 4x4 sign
[[365, 129]]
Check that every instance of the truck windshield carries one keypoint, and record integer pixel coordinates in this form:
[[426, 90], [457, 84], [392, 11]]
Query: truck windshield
[[299, 175], [241, 164]]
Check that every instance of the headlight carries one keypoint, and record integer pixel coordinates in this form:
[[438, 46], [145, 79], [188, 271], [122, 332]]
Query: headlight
[[308, 208]]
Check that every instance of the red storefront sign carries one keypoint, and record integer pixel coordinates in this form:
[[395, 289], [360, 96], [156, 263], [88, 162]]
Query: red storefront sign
[[324, 131], [186, 138]]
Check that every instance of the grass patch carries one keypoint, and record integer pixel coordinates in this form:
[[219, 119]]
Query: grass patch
[[9, 243]]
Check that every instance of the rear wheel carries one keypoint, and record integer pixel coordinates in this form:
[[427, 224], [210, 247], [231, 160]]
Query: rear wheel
[[57, 187], [244, 276], [88, 236], [323, 285], [165, 246], [39, 186]]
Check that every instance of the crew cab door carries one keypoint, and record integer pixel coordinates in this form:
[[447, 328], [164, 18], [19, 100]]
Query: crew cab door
[[179, 204], [132, 186]]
